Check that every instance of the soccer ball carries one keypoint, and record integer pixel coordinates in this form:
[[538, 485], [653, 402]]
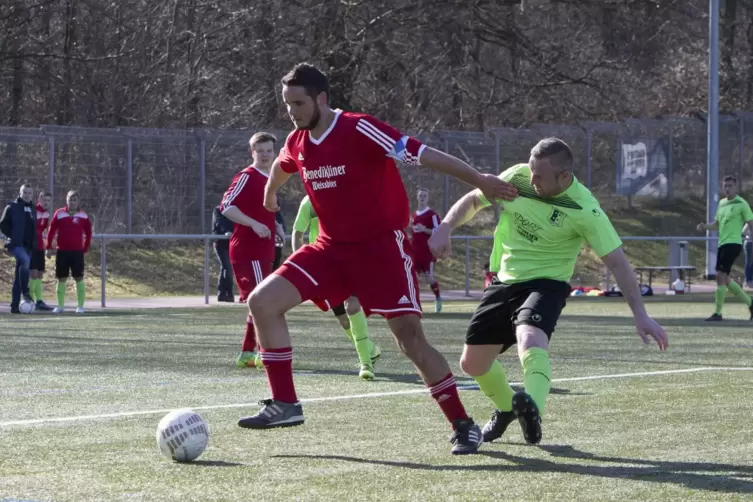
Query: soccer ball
[[182, 435], [26, 307]]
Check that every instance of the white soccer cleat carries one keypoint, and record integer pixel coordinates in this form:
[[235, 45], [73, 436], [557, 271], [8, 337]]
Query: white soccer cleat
[[57, 310], [79, 310]]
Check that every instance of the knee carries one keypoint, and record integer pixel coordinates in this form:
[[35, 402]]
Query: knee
[[530, 337], [722, 279], [352, 306], [261, 304], [474, 364]]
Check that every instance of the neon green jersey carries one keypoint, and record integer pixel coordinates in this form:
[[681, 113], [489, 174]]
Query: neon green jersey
[[540, 238], [306, 219], [732, 216]]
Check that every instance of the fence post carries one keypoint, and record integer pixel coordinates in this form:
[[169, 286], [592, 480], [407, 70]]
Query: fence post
[[103, 271], [203, 183], [51, 164], [740, 147], [588, 157], [446, 198], [206, 271], [467, 267], [670, 161], [129, 185]]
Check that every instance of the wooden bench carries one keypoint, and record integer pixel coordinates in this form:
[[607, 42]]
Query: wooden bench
[[679, 268]]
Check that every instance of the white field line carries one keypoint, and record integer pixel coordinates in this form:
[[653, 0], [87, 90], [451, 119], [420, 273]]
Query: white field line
[[124, 414]]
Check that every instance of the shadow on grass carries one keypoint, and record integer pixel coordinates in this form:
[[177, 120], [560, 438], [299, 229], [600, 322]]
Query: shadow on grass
[[213, 463], [706, 476]]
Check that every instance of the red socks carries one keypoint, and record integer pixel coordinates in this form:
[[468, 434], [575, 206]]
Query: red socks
[[445, 393], [279, 366], [249, 341]]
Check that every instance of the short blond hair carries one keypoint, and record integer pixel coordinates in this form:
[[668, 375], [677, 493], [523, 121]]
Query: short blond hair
[[71, 193], [261, 137]]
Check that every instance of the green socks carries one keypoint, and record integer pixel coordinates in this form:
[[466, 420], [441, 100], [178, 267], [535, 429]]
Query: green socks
[[81, 293], [537, 375], [360, 333], [60, 290], [349, 332], [495, 386], [721, 292], [736, 290], [35, 289]]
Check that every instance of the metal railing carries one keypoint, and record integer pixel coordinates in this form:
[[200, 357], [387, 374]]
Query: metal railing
[[103, 238]]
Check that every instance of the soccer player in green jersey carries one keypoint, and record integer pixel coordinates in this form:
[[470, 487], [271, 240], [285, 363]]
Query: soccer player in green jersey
[[349, 314], [537, 241], [732, 214]]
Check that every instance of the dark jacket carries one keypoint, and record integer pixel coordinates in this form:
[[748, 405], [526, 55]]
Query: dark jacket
[[221, 225], [19, 224]]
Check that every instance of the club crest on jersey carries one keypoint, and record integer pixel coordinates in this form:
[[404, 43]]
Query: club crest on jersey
[[557, 217]]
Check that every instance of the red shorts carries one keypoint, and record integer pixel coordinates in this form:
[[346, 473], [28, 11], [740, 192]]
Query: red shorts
[[424, 262], [328, 273], [248, 274]]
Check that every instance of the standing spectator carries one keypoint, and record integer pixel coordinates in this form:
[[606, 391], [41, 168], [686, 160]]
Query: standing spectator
[[222, 226], [18, 223], [73, 229], [748, 248], [38, 258], [279, 239]]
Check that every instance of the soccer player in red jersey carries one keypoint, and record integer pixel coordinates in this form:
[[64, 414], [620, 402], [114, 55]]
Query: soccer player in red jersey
[[425, 220], [38, 258], [347, 164], [73, 229], [252, 245]]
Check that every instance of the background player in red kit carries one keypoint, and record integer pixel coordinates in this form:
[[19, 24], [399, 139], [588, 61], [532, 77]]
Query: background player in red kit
[[73, 229], [346, 163], [425, 220], [38, 257], [252, 245]]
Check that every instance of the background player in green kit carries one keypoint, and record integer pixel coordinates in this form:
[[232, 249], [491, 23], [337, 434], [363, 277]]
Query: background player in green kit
[[351, 318], [732, 214], [537, 241]]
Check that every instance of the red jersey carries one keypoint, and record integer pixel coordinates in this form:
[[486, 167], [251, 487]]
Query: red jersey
[[74, 230], [43, 219], [351, 177], [430, 220], [246, 192]]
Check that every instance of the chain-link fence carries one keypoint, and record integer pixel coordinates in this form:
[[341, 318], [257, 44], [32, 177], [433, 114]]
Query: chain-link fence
[[135, 180]]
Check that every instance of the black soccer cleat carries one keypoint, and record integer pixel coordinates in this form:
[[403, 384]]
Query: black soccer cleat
[[467, 437], [528, 415], [715, 317], [497, 425], [274, 414], [43, 307]]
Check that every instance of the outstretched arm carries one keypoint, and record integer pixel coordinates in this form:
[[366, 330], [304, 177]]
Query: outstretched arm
[[492, 186], [460, 212]]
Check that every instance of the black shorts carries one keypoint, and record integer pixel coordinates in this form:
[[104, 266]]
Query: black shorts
[[339, 310], [38, 260], [537, 303], [69, 263], [726, 256]]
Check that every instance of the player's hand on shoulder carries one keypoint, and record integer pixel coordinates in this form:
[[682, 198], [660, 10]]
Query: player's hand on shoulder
[[495, 188], [647, 328], [439, 242]]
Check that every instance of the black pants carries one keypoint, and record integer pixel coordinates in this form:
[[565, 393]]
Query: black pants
[[225, 279], [278, 257]]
